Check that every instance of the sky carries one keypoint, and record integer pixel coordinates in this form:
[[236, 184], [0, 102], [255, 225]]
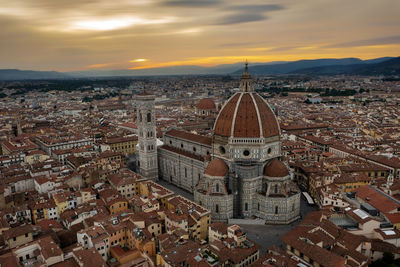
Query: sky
[[72, 35]]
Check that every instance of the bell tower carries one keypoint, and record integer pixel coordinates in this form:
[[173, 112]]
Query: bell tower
[[146, 121]]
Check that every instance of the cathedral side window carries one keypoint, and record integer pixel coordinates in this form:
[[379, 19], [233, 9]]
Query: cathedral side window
[[216, 208]]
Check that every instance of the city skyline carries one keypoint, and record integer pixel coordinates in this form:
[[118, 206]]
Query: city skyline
[[92, 35]]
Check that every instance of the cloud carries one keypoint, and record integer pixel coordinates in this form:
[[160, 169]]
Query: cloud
[[98, 66], [191, 3], [240, 18], [283, 48], [255, 8], [235, 44], [395, 39], [73, 34], [246, 13]]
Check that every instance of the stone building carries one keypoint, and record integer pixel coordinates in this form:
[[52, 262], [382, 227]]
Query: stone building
[[246, 178], [237, 173], [182, 158]]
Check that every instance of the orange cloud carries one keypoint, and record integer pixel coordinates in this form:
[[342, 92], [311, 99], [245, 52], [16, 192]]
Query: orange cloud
[[308, 52], [98, 66], [138, 60]]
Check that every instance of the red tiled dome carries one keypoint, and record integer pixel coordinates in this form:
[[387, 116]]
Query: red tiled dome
[[217, 167], [246, 114], [206, 103], [276, 168]]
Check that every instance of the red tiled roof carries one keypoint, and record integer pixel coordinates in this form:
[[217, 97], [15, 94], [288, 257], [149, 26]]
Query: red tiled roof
[[206, 103], [246, 112], [217, 167], [190, 136], [276, 168], [377, 199]]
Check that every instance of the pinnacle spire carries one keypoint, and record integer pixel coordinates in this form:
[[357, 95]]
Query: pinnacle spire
[[246, 84]]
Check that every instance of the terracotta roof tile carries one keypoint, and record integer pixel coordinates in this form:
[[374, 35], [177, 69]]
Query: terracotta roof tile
[[206, 103], [250, 109], [276, 168], [217, 167]]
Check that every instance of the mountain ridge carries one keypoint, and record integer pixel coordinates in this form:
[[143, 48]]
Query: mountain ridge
[[353, 66]]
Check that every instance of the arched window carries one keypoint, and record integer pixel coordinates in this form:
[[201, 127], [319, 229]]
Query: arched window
[[216, 208], [276, 209], [140, 117], [217, 188], [149, 117], [276, 189], [258, 206], [246, 206]]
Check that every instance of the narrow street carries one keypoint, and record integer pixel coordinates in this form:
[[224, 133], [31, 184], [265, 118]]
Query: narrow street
[[264, 235]]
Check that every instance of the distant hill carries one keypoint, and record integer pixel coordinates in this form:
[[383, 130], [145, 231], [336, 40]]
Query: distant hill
[[347, 66], [377, 60], [386, 67], [290, 67], [14, 74], [175, 70]]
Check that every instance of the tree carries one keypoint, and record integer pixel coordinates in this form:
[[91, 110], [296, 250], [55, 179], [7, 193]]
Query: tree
[[86, 99]]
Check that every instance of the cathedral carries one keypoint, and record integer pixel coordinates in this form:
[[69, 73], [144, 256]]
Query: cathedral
[[236, 173]]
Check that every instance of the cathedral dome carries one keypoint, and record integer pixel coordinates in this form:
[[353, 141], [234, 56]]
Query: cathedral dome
[[276, 168], [246, 114], [217, 167], [206, 103]]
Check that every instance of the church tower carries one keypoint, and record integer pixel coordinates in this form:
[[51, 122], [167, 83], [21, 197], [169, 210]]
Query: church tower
[[146, 121]]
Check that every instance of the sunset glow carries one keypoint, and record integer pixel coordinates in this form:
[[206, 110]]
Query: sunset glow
[[77, 35]]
